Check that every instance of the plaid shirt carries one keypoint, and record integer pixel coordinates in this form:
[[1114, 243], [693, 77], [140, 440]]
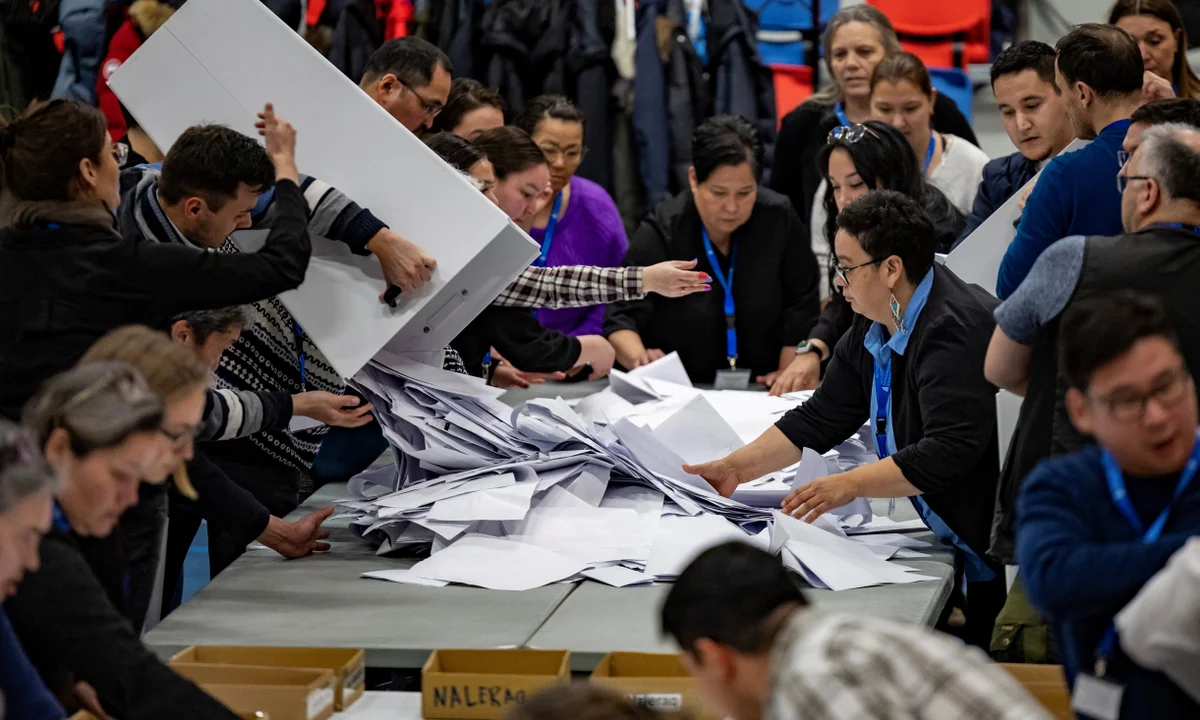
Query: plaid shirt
[[843, 667], [572, 286]]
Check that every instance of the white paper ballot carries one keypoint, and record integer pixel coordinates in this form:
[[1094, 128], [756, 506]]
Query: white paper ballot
[[497, 564], [697, 433], [505, 503], [221, 61], [668, 368], [403, 576], [617, 576]]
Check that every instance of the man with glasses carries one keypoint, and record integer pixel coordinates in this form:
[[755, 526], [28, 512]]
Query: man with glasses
[[1160, 254], [410, 78], [1096, 525]]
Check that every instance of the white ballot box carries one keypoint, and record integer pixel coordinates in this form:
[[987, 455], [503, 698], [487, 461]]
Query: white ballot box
[[220, 61]]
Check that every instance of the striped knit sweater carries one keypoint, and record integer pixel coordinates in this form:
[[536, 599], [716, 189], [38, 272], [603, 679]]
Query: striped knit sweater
[[266, 357]]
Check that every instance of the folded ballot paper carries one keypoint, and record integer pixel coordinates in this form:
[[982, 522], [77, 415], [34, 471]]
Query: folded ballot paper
[[516, 498]]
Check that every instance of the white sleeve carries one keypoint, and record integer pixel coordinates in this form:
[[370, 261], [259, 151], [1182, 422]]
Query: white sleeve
[[1160, 628]]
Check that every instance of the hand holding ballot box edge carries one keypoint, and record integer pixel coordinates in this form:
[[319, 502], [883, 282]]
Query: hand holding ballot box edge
[[194, 71]]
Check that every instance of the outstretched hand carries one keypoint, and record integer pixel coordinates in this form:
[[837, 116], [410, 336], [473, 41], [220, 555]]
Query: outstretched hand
[[812, 500], [674, 278], [721, 474]]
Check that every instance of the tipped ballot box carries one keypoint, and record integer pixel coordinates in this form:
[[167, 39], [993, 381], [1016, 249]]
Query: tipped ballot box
[[654, 680], [347, 665], [1047, 684], [486, 684], [280, 693]]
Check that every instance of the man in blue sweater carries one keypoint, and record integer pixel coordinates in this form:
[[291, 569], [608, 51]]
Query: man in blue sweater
[[1096, 525], [1031, 107], [1099, 72]]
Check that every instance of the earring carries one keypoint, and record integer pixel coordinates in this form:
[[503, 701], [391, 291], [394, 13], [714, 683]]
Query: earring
[[897, 318]]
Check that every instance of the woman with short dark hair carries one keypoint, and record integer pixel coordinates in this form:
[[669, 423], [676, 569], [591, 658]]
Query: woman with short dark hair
[[912, 365], [764, 300]]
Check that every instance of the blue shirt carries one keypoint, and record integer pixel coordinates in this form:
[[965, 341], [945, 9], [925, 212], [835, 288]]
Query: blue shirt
[[881, 348], [25, 695], [1082, 561], [1075, 195]]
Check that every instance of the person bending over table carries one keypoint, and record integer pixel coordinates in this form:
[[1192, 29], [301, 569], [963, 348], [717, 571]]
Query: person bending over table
[[101, 429], [911, 364], [750, 240]]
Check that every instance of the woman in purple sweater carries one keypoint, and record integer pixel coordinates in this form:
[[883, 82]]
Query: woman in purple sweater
[[580, 224]]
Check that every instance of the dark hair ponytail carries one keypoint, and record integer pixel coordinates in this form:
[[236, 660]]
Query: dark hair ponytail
[[40, 149]]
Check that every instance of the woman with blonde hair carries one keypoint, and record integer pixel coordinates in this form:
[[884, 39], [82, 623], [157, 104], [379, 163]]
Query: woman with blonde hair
[[856, 39]]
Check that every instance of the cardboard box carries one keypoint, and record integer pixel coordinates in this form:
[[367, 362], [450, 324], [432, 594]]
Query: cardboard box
[[1047, 684], [485, 684], [348, 666], [280, 693], [656, 680]]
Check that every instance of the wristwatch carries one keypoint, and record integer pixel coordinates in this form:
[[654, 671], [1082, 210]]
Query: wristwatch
[[807, 347]]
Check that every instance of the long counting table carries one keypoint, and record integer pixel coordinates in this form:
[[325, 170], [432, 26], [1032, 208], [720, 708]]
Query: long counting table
[[321, 601]]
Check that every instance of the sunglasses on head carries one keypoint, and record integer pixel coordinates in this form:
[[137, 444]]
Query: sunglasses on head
[[849, 134]]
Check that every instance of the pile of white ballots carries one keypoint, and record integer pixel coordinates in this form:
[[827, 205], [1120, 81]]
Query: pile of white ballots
[[517, 498]]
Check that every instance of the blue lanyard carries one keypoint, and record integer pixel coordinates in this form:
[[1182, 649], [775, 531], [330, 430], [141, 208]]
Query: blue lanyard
[[726, 281], [1175, 226], [303, 357], [840, 114], [929, 152], [548, 238], [59, 518], [883, 396], [1120, 497]]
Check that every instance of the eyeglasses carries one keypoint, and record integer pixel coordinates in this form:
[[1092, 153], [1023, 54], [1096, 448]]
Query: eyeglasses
[[844, 272], [179, 440], [1123, 181], [1128, 408], [120, 153], [849, 134], [430, 108]]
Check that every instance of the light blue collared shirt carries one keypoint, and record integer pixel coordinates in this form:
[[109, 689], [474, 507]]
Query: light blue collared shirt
[[881, 348]]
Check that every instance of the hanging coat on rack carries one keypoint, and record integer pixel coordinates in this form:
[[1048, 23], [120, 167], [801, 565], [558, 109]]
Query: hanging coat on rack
[[454, 27], [588, 63], [650, 119], [742, 84], [688, 97], [525, 43], [357, 34]]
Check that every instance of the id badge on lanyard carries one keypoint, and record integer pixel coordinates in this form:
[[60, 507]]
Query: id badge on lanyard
[[733, 378], [1096, 694]]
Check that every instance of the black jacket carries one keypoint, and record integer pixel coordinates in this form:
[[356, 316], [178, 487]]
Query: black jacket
[[62, 288], [943, 410], [519, 338], [741, 83], [523, 44], [72, 632], [775, 288], [802, 135], [1002, 178]]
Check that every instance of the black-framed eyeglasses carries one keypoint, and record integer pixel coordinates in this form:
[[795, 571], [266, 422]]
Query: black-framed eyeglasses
[[849, 134], [1132, 407], [430, 108], [844, 272], [1123, 181]]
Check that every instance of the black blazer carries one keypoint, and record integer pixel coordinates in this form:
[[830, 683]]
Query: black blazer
[[802, 135], [69, 628], [63, 288], [775, 288], [943, 410]]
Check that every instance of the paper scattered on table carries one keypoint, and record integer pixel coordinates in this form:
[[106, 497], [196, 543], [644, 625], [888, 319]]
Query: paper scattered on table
[[516, 498]]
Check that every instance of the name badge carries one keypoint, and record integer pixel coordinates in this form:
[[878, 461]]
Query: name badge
[[732, 380], [1097, 697]]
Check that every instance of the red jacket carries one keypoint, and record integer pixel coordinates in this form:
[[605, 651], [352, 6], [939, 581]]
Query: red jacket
[[126, 40]]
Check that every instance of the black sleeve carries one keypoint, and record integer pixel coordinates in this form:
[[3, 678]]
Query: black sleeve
[[836, 318], [224, 502], [981, 210], [66, 623], [645, 248], [277, 409], [958, 407], [522, 341], [795, 173], [802, 282], [947, 118], [837, 409], [181, 278]]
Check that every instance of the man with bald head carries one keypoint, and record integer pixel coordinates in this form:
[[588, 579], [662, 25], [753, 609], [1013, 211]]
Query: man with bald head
[[1159, 254]]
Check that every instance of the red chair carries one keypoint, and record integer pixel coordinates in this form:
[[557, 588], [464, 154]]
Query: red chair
[[793, 85], [943, 33]]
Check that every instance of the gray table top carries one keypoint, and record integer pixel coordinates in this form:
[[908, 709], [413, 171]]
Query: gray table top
[[597, 619], [320, 601]]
